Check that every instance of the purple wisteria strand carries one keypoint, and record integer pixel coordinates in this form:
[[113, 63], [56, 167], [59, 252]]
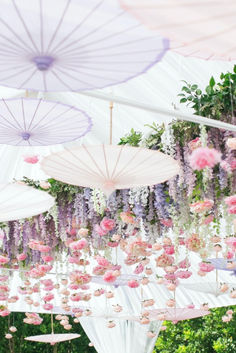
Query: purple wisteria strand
[[160, 203]]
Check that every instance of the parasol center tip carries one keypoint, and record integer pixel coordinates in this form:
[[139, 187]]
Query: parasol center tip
[[43, 62], [25, 135]]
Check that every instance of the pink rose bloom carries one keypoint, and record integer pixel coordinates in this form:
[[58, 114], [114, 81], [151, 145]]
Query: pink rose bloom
[[47, 282], [203, 157], [232, 209], [109, 277], [4, 259], [201, 206], [102, 261], [100, 231], [71, 231], [34, 244], [183, 274], [164, 260], [73, 286], [206, 267], [79, 244], [48, 288], [226, 318], [21, 257], [208, 219], [48, 297], [107, 224], [195, 143], [170, 250], [233, 164], [83, 232], [74, 260], [31, 159], [3, 278], [4, 312], [170, 276], [99, 270], [229, 255], [45, 185], [76, 297], [231, 200], [163, 328], [44, 248], [226, 166], [231, 143], [127, 217], [113, 244], [133, 283], [167, 222], [47, 258], [139, 269], [48, 306]]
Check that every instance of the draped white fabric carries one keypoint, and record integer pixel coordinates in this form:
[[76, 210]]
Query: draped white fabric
[[125, 337]]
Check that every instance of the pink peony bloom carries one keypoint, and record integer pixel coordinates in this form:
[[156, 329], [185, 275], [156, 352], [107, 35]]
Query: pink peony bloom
[[183, 274], [195, 144], [83, 232], [206, 267], [21, 257], [109, 277], [44, 248], [169, 250], [231, 143], [102, 261], [79, 244], [113, 244], [4, 312], [232, 209], [127, 217], [164, 260], [48, 306], [48, 297], [4, 259], [231, 200], [31, 159], [47, 258], [99, 270], [201, 206], [133, 283], [167, 222], [139, 269], [203, 157], [107, 224], [208, 219], [233, 164], [100, 231]]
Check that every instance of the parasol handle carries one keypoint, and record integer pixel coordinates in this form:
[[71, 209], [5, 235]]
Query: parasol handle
[[111, 121], [52, 323]]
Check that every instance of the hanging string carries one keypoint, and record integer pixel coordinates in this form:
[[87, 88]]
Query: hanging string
[[111, 117], [231, 100]]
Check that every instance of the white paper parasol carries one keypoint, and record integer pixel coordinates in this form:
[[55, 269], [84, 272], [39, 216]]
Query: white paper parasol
[[109, 167], [20, 201]]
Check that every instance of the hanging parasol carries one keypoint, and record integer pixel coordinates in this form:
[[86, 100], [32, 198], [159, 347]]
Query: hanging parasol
[[203, 29], [74, 45], [223, 264], [177, 314], [206, 287], [20, 201], [109, 167], [33, 122], [53, 338]]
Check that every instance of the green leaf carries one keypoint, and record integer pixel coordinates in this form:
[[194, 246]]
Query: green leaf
[[212, 81]]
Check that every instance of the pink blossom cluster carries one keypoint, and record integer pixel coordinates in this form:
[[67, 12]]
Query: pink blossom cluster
[[201, 206], [105, 226], [127, 217], [32, 319], [231, 203], [80, 278], [204, 157]]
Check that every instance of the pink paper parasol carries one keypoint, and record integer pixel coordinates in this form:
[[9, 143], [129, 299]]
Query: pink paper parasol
[[74, 45], [109, 167], [53, 338], [33, 122], [20, 201], [204, 29], [177, 314]]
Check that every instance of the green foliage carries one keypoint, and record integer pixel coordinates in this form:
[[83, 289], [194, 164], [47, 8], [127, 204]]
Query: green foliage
[[19, 345], [208, 334], [218, 101], [133, 138]]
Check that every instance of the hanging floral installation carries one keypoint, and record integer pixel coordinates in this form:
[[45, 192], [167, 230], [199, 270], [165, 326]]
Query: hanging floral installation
[[193, 213]]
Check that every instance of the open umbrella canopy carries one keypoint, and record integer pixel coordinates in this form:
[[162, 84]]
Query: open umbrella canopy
[[27, 122], [203, 29], [110, 167], [53, 338], [63, 45], [20, 201]]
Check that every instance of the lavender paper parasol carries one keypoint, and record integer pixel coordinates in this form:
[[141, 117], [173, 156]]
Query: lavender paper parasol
[[221, 264], [74, 45], [33, 122]]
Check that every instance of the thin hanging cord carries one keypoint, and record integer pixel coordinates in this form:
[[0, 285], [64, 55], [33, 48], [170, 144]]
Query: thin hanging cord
[[111, 118]]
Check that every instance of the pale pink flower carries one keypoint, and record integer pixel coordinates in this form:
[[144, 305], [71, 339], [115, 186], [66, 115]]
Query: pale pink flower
[[79, 244], [208, 219], [231, 143], [31, 159], [47, 282], [133, 283], [100, 231], [127, 217], [109, 277], [44, 248], [183, 274], [102, 261], [226, 318], [83, 232], [203, 157], [167, 222], [48, 306], [113, 244], [21, 257], [139, 269], [206, 267], [233, 164], [4, 312], [169, 250], [195, 143], [226, 166], [107, 224], [76, 297], [47, 258], [231, 200], [99, 270], [164, 260], [229, 312], [201, 206], [8, 336], [4, 259], [48, 297], [45, 185], [163, 328], [232, 209], [184, 263]]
